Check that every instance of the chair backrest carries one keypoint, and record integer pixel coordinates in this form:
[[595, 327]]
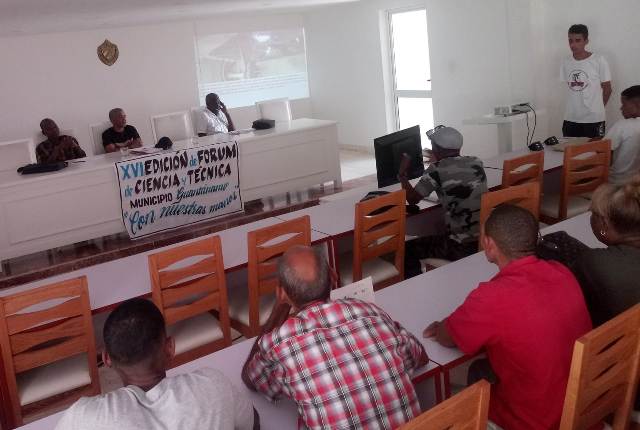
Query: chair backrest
[[195, 114], [526, 196], [604, 374], [16, 153], [520, 170], [95, 131], [42, 326], [586, 167], [176, 126], [265, 246], [379, 230], [276, 109], [469, 410], [189, 280]]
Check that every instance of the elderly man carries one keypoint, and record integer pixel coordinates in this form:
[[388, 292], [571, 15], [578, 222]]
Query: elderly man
[[459, 182], [345, 363], [121, 134], [138, 348], [214, 118], [56, 148], [526, 318]]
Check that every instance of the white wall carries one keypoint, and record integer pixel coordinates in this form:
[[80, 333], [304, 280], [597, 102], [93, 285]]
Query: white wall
[[345, 68], [613, 32], [471, 65], [59, 76], [482, 54]]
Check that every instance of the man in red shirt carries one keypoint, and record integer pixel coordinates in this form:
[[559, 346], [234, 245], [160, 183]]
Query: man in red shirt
[[526, 318], [345, 363]]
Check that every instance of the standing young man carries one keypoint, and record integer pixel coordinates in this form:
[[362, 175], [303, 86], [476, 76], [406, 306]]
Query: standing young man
[[588, 79]]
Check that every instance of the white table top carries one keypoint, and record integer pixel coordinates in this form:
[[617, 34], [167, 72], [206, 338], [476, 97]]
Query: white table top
[[103, 161], [124, 278], [335, 214]]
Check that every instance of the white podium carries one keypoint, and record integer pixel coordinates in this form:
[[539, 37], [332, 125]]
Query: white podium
[[505, 126]]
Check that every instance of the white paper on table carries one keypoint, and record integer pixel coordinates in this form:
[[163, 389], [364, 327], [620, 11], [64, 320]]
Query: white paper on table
[[241, 131], [362, 290], [145, 150], [433, 197]]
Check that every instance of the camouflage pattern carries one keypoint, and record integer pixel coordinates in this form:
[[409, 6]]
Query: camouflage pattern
[[459, 183]]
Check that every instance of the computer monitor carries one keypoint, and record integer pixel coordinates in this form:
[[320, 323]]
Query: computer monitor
[[389, 150]]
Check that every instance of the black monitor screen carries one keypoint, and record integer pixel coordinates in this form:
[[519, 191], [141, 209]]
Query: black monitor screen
[[389, 150]]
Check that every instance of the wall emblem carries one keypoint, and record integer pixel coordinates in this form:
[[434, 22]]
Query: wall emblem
[[108, 52]]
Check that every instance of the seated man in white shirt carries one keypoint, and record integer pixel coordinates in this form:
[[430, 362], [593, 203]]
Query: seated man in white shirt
[[625, 138], [139, 350], [214, 118]]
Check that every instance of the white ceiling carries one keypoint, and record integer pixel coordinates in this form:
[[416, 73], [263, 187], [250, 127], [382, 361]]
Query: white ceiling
[[45, 16]]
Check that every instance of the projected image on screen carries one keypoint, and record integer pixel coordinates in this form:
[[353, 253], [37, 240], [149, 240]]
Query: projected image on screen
[[243, 68]]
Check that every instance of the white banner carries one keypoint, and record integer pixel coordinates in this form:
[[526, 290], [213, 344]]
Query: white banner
[[173, 189]]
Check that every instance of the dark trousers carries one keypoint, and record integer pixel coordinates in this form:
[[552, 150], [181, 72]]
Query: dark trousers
[[579, 129], [481, 369], [436, 246]]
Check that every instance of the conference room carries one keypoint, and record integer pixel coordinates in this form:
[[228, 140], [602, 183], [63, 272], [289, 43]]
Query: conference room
[[320, 100]]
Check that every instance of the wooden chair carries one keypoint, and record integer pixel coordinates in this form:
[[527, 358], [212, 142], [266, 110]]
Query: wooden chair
[[586, 166], [467, 410], [48, 347], [526, 196], [604, 374], [251, 306], [524, 169], [189, 287], [379, 230]]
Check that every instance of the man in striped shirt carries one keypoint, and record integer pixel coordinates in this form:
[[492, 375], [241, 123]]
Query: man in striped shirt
[[345, 363]]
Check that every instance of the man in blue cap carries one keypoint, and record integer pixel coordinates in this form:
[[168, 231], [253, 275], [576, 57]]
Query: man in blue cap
[[459, 182]]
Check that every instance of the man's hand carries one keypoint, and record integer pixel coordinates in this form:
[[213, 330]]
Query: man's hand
[[431, 330], [428, 155], [223, 107], [439, 331]]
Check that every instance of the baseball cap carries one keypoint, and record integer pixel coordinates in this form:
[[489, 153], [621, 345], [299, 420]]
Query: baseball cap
[[445, 137]]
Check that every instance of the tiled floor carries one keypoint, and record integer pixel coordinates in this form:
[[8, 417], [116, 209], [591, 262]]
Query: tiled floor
[[355, 164]]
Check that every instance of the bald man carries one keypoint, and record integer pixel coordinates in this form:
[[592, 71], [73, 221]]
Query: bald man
[[121, 134], [56, 148], [345, 363]]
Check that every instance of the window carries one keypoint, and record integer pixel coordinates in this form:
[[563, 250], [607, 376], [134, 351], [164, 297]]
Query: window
[[243, 68], [410, 69]]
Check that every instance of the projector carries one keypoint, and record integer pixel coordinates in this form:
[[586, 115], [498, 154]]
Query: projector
[[508, 110], [502, 110]]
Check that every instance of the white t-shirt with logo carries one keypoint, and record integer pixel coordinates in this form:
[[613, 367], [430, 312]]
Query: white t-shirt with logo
[[210, 123], [583, 79], [204, 399], [625, 144]]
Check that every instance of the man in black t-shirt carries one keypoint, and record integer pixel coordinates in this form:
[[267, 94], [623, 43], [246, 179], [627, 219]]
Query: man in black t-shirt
[[121, 135]]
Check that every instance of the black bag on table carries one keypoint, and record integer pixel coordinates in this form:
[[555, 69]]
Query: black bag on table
[[42, 168]]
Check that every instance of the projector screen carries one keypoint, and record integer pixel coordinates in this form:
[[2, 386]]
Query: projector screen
[[243, 68]]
